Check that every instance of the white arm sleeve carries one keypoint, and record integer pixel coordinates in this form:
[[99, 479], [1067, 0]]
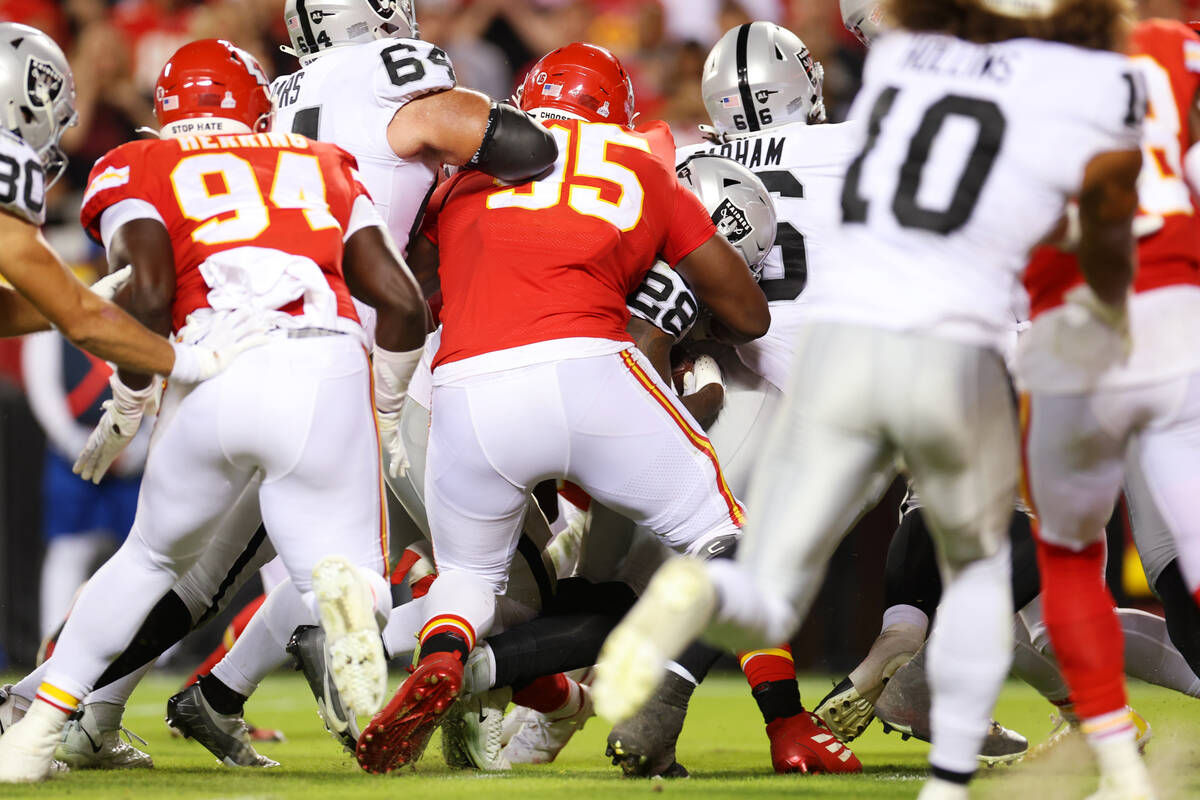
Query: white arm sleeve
[[41, 367], [121, 212], [362, 215]]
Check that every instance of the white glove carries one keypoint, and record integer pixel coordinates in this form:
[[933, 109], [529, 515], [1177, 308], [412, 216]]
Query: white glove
[[1114, 317], [199, 362], [704, 371], [122, 417], [108, 286], [395, 456]]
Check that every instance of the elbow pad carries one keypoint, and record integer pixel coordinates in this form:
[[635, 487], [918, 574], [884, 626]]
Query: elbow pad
[[515, 147]]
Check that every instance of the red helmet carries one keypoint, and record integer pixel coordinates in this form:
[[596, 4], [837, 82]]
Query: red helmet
[[213, 78], [583, 79]]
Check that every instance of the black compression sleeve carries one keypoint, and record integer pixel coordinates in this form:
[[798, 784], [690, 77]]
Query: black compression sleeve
[[168, 622], [515, 147]]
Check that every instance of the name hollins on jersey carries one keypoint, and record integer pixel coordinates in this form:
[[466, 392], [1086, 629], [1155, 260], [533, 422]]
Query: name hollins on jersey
[[945, 57], [749, 152]]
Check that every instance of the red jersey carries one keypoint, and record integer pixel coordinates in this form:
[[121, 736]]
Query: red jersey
[[1168, 54], [556, 258], [278, 191]]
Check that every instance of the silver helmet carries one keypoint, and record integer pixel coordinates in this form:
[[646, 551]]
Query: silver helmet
[[863, 18], [317, 25], [737, 201], [759, 75], [38, 91]]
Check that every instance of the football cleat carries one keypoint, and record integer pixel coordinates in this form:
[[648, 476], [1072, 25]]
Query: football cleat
[[903, 707], [845, 711], [353, 648], [674, 610], [27, 746], [85, 746], [540, 739], [307, 648], [1064, 729], [473, 731], [226, 736], [804, 744], [398, 734], [265, 734], [643, 746], [850, 707]]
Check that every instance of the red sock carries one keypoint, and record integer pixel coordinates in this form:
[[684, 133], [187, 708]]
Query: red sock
[[230, 636], [1083, 627], [769, 664], [547, 693]]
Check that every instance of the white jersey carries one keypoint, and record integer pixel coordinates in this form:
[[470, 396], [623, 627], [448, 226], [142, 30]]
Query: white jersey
[[348, 96], [22, 180], [802, 167], [970, 154]]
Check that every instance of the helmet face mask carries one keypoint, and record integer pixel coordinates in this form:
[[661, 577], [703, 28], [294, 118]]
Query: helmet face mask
[[39, 92], [580, 81], [316, 26], [760, 75], [738, 202], [211, 86]]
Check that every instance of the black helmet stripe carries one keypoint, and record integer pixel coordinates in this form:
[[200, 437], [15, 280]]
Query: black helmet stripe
[[306, 27], [743, 39]]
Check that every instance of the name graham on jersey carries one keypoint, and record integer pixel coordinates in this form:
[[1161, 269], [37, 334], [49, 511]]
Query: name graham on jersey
[[226, 141], [749, 152], [929, 54]]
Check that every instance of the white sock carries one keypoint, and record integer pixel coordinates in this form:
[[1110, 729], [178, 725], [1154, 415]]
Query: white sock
[[968, 658], [404, 626], [1150, 655], [117, 693], [571, 707], [1113, 739], [260, 648], [132, 580]]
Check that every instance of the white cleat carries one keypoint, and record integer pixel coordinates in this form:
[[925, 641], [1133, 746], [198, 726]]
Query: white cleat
[[675, 609], [473, 730], [85, 746], [540, 739], [353, 648], [27, 748]]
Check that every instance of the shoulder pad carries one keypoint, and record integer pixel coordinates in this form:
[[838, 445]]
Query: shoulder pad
[[409, 69]]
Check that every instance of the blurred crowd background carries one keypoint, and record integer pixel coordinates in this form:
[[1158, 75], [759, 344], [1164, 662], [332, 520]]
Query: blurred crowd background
[[117, 47]]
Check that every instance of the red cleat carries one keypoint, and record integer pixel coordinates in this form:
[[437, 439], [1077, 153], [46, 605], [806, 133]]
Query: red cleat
[[397, 735], [804, 743]]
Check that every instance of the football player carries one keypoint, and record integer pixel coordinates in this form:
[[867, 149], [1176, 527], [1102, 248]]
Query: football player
[[1109, 368], [402, 118], [40, 89], [762, 91], [554, 365], [916, 311], [220, 221]]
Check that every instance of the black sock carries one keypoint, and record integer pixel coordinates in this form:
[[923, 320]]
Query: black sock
[[950, 776], [168, 622], [698, 659], [223, 699], [777, 699], [445, 643], [1183, 616]]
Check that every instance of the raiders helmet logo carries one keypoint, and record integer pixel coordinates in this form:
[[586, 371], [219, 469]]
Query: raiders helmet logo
[[384, 8], [731, 221], [43, 82]]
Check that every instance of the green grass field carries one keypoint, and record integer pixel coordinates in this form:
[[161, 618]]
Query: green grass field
[[723, 745]]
